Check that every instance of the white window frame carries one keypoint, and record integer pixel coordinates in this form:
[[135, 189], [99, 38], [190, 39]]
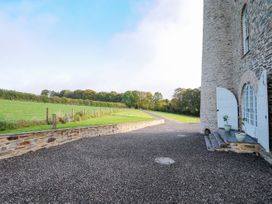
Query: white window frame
[[250, 110], [245, 29]]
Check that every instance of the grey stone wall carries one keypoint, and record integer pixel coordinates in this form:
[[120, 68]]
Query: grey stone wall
[[217, 64], [222, 38], [259, 57], [17, 144]]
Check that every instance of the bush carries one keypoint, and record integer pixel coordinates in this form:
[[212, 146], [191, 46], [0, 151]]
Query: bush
[[77, 117], [61, 119], [10, 125], [15, 95], [4, 125]]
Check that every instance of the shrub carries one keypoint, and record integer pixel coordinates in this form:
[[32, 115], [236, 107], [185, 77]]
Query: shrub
[[61, 119], [77, 118], [67, 118], [15, 95], [4, 125], [10, 125]]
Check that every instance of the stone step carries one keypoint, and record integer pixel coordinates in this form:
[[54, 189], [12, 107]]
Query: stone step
[[214, 142], [208, 143], [220, 140], [229, 137], [227, 141], [224, 135]]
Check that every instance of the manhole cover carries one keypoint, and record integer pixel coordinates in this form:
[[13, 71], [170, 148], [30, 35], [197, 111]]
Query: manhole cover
[[181, 135], [164, 160]]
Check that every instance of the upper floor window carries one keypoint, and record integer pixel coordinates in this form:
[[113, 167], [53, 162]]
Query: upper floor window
[[245, 30]]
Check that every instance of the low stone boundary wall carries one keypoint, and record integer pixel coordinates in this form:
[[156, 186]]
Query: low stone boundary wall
[[17, 144]]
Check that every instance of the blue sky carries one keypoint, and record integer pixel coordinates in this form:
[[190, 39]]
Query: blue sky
[[150, 45], [97, 19]]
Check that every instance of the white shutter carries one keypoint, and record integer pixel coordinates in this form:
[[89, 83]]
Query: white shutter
[[226, 105], [262, 130]]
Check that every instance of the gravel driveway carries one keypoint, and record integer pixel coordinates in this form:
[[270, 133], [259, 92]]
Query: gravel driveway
[[121, 169]]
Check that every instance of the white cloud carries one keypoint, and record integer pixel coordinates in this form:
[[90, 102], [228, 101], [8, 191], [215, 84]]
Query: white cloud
[[164, 52], [161, 54]]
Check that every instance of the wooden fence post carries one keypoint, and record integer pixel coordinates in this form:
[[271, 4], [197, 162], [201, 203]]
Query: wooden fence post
[[54, 121], [72, 114], [47, 115]]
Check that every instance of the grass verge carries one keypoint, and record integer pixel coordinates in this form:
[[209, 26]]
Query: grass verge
[[29, 111], [126, 116], [178, 117]]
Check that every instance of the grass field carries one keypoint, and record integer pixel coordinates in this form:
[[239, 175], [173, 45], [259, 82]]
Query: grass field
[[20, 110], [178, 117], [17, 110]]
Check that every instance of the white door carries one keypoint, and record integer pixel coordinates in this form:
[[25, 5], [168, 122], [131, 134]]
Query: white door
[[226, 105], [262, 131], [249, 110]]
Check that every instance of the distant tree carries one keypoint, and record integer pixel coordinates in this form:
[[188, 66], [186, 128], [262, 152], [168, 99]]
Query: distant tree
[[129, 99], [145, 100], [159, 103], [162, 105], [186, 101], [66, 93], [89, 94], [78, 94], [175, 105], [101, 96], [157, 96], [114, 96], [45, 92], [191, 101], [54, 93], [178, 93]]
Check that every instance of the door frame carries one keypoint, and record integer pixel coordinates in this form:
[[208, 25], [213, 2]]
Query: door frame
[[249, 102], [228, 101], [261, 92]]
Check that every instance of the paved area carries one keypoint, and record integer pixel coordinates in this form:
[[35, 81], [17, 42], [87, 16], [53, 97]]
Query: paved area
[[121, 169]]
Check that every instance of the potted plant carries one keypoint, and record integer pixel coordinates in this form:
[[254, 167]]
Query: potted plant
[[241, 135], [227, 127]]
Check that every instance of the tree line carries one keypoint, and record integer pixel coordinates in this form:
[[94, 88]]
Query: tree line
[[184, 101], [87, 94], [21, 96]]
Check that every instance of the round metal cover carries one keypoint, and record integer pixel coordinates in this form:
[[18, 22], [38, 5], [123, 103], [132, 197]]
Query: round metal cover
[[164, 160]]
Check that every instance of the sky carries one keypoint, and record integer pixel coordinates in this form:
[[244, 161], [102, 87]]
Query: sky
[[104, 45]]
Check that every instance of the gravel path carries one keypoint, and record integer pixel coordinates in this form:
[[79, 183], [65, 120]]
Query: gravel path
[[121, 169]]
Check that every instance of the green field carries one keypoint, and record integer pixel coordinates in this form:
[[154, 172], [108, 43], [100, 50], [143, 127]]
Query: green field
[[178, 117], [21, 110], [30, 111]]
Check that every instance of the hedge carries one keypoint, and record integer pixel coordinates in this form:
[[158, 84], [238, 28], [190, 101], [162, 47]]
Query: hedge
[[15, 95]]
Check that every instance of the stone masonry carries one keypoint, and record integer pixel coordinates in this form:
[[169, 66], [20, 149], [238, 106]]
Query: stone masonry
[[17, 144], [223, 61]]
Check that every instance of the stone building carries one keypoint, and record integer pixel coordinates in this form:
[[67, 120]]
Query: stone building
[[237, 67]]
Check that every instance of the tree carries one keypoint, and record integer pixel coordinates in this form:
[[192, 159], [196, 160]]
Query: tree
[[186, 101], [88, 94], [45, 92], [78, 94], [128, 99], [162, 105], [145, 100], [54, 93], [66, 93], [191, 102], [157, 97]]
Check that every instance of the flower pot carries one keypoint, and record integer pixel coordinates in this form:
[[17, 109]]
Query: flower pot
[[227, 128], [240, 136]]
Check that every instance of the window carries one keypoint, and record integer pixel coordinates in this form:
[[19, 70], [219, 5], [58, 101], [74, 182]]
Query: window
[[249, 105], [245, 30]]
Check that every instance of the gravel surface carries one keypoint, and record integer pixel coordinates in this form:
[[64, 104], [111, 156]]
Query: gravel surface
[[122, 169]]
